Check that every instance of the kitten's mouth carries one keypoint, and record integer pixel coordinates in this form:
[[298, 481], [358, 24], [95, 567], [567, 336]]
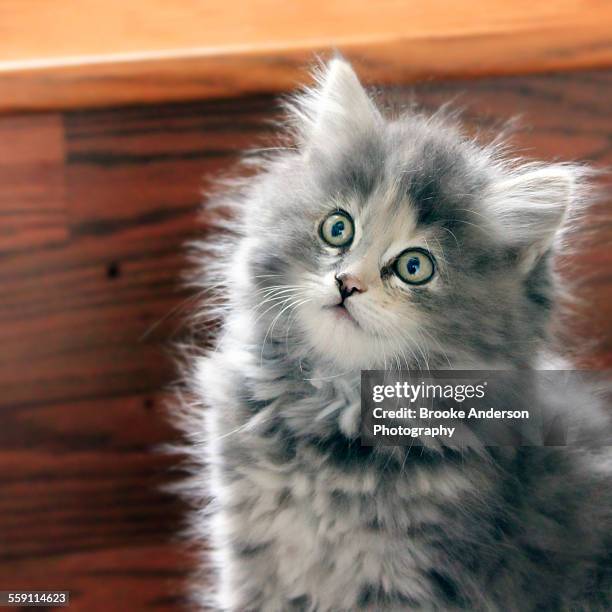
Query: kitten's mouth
[[341, 311]]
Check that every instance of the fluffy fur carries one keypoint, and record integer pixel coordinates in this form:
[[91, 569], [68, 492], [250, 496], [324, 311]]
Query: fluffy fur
[[304, 518]]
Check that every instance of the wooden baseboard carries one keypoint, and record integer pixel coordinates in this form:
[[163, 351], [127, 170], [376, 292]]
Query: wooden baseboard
[[65, 55]]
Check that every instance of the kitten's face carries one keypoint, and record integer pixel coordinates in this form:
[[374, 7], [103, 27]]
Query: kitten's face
[[398, 244], [368, 298]]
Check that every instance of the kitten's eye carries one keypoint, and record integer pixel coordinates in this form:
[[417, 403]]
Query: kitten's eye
[[338, 229], [414, 266]]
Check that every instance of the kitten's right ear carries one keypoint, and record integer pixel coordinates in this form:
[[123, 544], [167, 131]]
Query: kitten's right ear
[[337, 106]]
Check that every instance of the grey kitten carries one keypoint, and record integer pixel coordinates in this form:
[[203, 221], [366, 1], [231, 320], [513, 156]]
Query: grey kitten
[[385, 243]]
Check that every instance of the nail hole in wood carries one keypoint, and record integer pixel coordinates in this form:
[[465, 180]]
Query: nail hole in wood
[[113, 270]]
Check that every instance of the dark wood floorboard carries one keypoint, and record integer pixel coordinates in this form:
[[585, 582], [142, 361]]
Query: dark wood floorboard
[[95, 208]]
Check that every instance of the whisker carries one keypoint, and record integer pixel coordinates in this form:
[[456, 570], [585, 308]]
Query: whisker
[[271, 327]]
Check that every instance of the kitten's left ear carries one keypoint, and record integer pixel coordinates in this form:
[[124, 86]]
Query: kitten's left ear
[[337, 106], [531, 203]]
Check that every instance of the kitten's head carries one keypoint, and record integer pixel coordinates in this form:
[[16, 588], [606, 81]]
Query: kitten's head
[[380, 242]]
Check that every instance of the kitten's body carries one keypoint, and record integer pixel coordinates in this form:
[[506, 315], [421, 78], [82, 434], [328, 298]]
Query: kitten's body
[[303, 517]]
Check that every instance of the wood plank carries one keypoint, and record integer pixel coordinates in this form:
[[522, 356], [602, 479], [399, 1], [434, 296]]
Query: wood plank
[[111, 578], [57, 55], [81, 505], [32, 202], [128, 424], [133, 185]]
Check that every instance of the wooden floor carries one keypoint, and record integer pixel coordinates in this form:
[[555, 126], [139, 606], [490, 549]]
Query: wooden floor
[[94, 209]]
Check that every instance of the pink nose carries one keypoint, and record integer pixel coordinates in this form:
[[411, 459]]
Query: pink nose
[[349, 284]]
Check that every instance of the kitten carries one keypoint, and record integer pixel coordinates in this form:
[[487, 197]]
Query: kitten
[[385, 243]]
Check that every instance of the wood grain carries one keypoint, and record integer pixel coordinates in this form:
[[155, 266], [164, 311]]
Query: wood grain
[[98, 205], [57, 55]]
